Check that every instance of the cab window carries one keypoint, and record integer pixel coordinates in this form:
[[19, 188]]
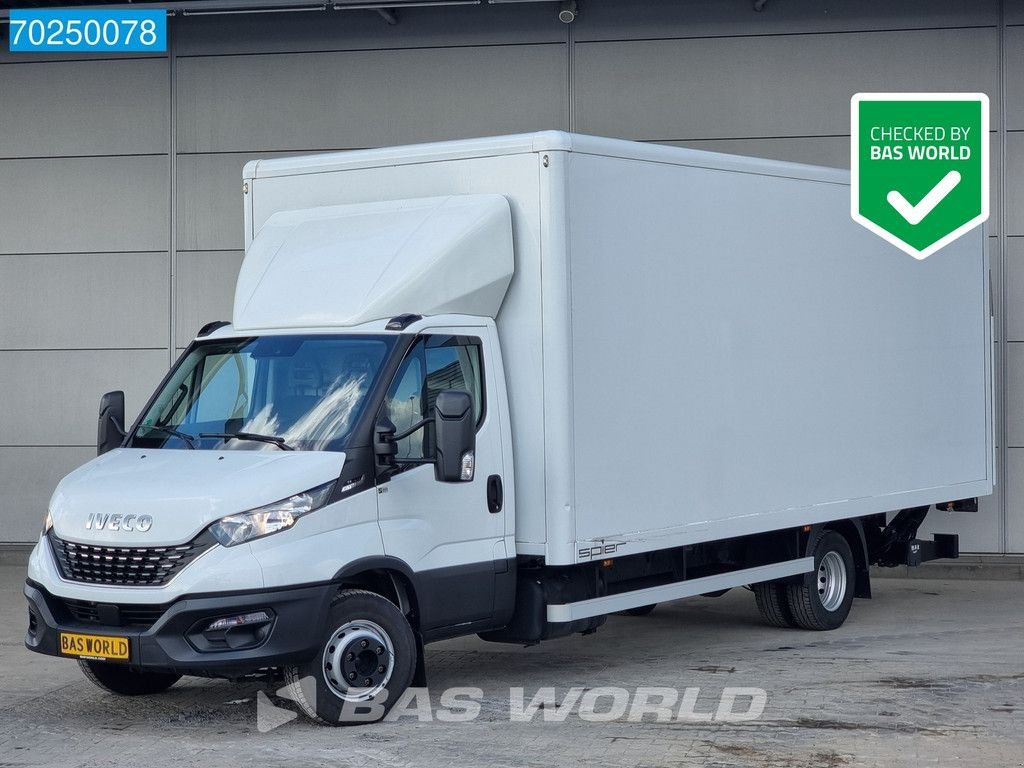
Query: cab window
[[434, 364]]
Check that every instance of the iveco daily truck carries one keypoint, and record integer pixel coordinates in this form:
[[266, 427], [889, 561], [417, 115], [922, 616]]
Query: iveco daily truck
[[510, 386]]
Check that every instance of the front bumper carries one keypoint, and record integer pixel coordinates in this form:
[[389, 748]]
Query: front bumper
[[174, 641]]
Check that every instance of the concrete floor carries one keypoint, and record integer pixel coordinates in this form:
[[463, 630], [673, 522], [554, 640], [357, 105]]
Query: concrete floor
[[927, 673]]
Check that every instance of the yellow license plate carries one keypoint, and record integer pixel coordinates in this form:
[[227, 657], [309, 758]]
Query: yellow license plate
[[102, 647]]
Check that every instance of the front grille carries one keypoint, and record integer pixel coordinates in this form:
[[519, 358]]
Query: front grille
[[124, 615], [128, 566]]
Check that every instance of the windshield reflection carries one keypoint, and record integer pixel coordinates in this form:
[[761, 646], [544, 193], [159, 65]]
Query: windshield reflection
[[251, 394], [333, 415]]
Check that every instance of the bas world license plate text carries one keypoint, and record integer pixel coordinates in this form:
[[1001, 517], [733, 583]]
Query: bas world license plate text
[[94, 646]]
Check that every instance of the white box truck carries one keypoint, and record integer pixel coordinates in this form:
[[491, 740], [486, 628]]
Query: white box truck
[[509, 386]]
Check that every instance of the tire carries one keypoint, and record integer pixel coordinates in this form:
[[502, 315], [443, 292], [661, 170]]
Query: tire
[[643, 610], [123, 681], [367, 638], [773, 604], [822, 599]]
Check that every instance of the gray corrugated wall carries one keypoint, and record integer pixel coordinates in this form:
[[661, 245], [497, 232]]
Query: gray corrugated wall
[[120, 204]]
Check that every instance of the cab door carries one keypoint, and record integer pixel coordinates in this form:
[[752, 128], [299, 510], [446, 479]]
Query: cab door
[[452, 535]]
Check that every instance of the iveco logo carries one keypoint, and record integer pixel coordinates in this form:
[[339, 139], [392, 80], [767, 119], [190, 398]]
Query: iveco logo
[[140, 523]]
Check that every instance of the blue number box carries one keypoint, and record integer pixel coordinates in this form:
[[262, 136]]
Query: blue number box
[[91, 30]]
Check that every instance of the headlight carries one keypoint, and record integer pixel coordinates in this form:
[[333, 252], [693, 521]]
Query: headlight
[[279, 516], [47, 523]]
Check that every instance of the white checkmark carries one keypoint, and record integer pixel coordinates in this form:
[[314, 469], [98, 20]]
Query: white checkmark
[[915, 213]]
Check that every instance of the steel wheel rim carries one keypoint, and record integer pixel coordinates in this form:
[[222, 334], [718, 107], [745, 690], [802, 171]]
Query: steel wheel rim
[[831, 581], [358, 660]]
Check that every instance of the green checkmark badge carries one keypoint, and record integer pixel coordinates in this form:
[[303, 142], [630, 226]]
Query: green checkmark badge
[[919, 165]]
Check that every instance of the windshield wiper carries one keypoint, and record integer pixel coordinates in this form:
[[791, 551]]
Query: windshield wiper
[[186, 438], [273, 439]]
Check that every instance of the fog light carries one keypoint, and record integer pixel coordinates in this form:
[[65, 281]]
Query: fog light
[[232, 633], [242, 620]]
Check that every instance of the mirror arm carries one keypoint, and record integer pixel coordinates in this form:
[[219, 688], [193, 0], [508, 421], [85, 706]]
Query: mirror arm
[[410, 430], [404, 434]]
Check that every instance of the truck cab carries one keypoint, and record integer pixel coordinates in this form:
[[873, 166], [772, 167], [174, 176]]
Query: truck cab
[[383, 451], [321, 450]]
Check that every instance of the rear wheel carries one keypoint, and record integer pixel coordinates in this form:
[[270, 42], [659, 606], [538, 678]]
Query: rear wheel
[[366, 661], [773, 604], [124, 681], [822, 599]]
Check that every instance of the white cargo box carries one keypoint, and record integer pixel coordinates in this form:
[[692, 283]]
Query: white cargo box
[[698, 346]]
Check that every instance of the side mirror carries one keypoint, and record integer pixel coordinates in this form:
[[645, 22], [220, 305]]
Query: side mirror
[[455, 437], [110, 430]]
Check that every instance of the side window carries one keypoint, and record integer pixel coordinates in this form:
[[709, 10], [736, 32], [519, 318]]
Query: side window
[[435, 364], [453, 362], [405, 404]]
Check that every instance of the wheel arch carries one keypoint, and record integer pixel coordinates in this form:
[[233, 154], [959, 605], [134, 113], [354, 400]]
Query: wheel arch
[[388, 577]]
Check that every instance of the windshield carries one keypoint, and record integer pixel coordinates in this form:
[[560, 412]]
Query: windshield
[[297, 392]]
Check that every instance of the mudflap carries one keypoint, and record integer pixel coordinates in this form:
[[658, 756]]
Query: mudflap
[[419, 677]]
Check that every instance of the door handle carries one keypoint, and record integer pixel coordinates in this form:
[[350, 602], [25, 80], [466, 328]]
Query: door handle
[[495, 494]]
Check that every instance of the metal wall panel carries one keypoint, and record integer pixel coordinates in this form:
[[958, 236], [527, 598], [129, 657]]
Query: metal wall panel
[[833, 151], [27, 480], [209, 195], [1013, 42], [84, 204], [785, 85], [1014, 189], [1013, 11], [58, 392], [369, 98], [617, 20], [205, 290], [9, 57], [54, 301], [1015, 396], [1014, 485], [366, 30], [1015, 288], [84, 108]]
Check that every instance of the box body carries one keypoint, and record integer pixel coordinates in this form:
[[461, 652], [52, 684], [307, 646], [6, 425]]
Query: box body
[[700, 346]]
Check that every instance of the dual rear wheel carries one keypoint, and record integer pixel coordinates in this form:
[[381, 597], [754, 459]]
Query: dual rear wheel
[[820, 599]]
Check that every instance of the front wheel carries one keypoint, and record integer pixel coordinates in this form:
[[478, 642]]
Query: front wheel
[[822, 599], [366, 661], [124, 681]]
